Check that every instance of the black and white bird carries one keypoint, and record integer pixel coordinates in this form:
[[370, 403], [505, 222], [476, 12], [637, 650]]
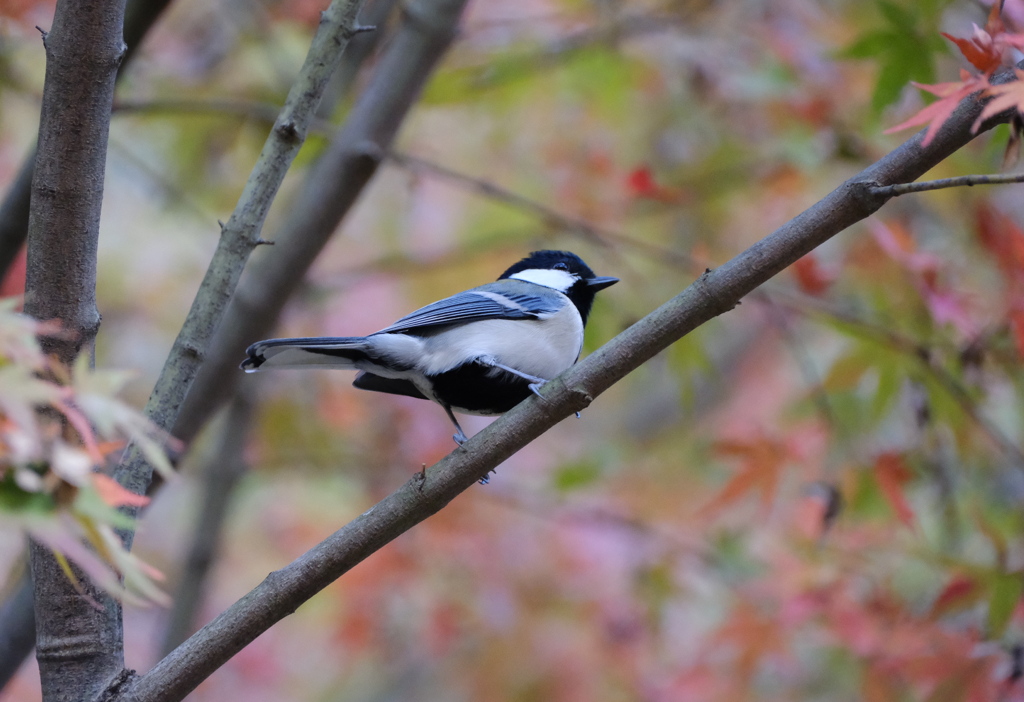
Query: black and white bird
[[482, 351]]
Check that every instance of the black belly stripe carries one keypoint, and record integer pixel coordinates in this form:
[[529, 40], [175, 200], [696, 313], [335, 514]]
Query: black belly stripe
[[469, 387]]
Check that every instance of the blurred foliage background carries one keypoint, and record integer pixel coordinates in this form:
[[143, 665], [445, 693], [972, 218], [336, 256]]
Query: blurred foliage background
[[816, 496]]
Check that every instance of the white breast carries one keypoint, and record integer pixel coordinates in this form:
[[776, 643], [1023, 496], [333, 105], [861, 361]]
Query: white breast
[[542, 348]]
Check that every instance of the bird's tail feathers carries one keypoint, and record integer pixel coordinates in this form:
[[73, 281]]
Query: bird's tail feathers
[[339, 352]]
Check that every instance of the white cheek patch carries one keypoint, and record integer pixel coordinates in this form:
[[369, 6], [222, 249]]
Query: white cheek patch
[[549, 278]]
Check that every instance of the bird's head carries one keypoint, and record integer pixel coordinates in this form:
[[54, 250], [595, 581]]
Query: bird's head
[[563, 271]]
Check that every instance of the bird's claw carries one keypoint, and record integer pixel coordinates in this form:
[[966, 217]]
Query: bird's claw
[[535, 388]]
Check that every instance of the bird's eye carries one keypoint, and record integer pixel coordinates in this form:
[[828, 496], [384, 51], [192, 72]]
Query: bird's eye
[[561, 267]]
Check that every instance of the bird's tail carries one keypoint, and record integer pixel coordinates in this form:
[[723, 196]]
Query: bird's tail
[[339, 352]]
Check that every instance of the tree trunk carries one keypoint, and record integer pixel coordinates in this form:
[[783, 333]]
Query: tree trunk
[[78, 629]]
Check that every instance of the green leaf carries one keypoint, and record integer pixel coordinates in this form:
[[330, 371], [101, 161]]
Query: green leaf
[[905, 51], [575, 476], [897, 16], [14, 499], [1006, 592], [846, 372], [870, 45], [89, 505]]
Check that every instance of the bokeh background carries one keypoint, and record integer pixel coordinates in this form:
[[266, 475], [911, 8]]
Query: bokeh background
[[680, 540]]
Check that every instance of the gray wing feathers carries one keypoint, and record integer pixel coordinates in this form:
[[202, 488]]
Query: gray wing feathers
[[474, 305]]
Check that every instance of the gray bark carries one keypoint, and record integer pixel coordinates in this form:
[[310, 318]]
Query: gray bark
[[18, 618], [17, 621], [221, 472], [219, 475], [78, 641]]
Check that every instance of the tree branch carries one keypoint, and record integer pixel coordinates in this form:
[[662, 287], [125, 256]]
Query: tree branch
[[957, 182], [78, 641], [18, 619], [714, 293], [330, 190], [241, 234], [219, 474]]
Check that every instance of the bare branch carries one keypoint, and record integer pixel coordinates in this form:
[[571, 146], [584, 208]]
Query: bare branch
[[424, 494], [241, 234], [958, 182], [220, 473], [330, 190]]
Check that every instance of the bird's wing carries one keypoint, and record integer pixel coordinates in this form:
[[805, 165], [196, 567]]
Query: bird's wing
[[475, 305]]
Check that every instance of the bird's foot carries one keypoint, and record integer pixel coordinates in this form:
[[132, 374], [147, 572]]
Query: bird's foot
[[460, 438]]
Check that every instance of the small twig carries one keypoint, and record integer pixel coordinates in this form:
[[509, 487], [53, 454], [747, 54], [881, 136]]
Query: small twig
[[959, 181]]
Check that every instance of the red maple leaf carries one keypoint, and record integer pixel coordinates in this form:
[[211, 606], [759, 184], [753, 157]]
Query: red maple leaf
[[640, 184], [989, 48], [950, 95], [986, 49], [960, 592], [983, 49], [810, 276], [1005, 96]]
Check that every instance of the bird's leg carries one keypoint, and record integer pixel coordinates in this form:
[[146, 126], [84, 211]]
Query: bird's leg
[[459, 436], [535, 382]]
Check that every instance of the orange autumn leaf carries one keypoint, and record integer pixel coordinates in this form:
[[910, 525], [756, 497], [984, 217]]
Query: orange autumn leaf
[[892, 474], [111, 492], [983, 49], [753, 636], [108, 447], [762, 461]]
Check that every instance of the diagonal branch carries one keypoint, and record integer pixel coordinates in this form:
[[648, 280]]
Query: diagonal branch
[[332, 187], [241, 234], [714, 293]]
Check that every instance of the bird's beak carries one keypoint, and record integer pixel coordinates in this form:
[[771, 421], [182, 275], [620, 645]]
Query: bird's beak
[[601, 282]]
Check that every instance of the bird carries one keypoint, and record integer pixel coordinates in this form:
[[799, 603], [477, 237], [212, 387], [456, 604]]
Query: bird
[[481, 351]]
